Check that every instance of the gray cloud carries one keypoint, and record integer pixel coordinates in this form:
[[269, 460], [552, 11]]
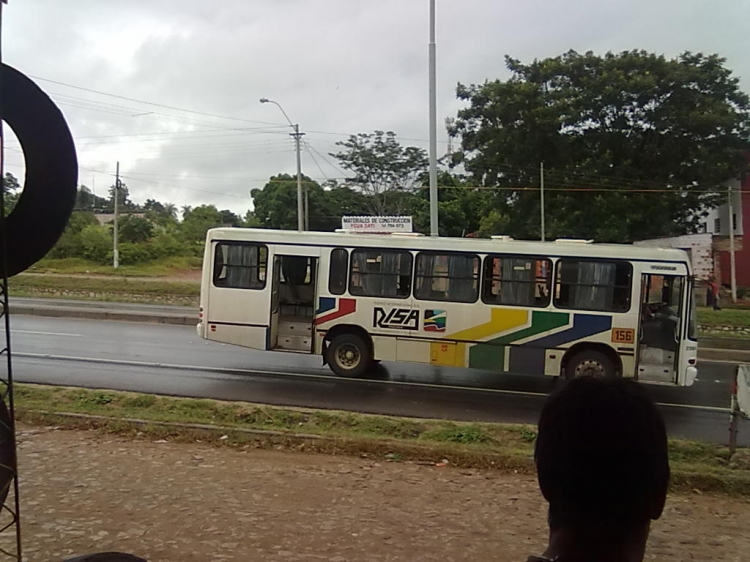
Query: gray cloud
[[337, 66]]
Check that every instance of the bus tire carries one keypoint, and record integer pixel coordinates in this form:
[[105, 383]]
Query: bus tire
[[590, 363], [349, 355]]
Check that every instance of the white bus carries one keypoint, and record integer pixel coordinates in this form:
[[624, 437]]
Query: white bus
[[563, 309]]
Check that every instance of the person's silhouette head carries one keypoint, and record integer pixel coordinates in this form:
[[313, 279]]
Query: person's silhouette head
[[603, 467]]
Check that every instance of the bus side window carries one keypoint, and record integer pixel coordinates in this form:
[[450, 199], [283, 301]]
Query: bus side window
[[380, 273], [589, 284], [449, 277], [339, 263], [240, 265], [516, 280]]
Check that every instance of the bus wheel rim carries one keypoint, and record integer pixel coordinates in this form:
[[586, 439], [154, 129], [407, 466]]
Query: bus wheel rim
[[590, 368], [348, 356]]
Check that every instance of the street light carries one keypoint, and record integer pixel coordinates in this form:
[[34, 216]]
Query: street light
[[301, 207]]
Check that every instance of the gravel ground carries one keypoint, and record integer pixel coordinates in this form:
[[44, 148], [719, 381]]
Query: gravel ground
[[83, 492]]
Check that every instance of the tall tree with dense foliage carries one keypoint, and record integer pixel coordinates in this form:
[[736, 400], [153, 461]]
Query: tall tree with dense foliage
[[382, 169], [634, 145], [197, 222]]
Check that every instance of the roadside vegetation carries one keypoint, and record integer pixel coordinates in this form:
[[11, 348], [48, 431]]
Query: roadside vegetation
[[162, 267], [696, 466]]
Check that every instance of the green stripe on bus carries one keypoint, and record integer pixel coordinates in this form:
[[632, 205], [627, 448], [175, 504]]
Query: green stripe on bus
[[491, 354]]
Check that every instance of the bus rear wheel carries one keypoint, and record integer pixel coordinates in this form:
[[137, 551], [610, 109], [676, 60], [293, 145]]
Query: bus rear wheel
[[590, 363], [348, 355]]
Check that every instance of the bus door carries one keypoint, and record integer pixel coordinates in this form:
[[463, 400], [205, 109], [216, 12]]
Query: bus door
[[273, 325], [294, 291], [660, 331]]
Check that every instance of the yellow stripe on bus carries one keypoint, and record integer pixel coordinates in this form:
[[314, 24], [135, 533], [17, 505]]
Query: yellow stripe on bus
[[501, 320]]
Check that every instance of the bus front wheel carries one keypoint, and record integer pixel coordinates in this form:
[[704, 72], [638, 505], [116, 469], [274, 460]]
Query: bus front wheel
[[590, 363], [348, 355]]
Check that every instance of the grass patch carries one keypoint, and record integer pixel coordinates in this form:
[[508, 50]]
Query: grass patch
[[720, 334], [695, 465], [734, 317], [157, 268], [112, 286]]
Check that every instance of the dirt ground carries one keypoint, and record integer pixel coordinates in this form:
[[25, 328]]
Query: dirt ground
[[83, 492]]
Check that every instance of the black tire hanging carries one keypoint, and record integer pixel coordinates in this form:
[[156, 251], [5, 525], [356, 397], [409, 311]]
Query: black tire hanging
[[49, 190]]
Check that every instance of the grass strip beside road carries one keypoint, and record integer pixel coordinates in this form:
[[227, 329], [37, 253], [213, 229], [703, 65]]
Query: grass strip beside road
[[38, 285], [79, 266], [696, 466]]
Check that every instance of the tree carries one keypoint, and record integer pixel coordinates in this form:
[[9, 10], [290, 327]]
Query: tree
[[275, 206], [381, 166], [460, 206], [634, 145], [251, 220], [70, 244], [160, 213], [135, 229], [228, 218], [196, 222], [123, 200], [11, 188], [170, 210], [86, 200]]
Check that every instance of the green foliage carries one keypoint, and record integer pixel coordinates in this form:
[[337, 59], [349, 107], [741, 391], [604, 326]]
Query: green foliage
[[381, 166], [135, 229], [163, 214], [95, 243], [130, 253], [228, 218], [123, 199], [70, 243], [11, 192], [197, 222], [633, 135]]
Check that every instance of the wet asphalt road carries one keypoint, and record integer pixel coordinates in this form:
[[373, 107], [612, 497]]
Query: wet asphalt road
[[172, 360]]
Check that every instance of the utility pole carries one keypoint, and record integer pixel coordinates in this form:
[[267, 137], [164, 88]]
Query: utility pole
[[433, 126], [117, 197], [302, 218], [541, 192], [732, 269], [301, 207]]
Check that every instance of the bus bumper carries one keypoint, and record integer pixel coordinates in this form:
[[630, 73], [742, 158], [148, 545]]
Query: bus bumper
[[691, 373], [199, 329]]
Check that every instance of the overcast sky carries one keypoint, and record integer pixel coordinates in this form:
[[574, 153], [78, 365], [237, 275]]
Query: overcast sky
[[338, 67]]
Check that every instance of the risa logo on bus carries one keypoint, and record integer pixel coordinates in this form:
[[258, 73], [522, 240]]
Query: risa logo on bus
[[396, 318]]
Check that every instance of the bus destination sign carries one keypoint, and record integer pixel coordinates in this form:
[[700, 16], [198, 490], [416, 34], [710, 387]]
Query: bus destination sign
[[376, 225]]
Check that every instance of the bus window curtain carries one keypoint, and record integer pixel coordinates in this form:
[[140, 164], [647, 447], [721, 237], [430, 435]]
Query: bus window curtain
[[389, 274], [242, 265], [425, 273], [595, 286], [462, 281], [517, 282]]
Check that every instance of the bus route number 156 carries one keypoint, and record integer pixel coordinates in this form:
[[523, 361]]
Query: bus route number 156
[[623, 335]]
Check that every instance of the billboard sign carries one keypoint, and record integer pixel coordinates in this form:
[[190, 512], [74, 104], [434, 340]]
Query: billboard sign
[[376, 225]]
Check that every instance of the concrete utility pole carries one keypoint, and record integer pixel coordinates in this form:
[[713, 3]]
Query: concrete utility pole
[[541, 192], [116, 256], [433, 126], [302, 218], [732, 267]]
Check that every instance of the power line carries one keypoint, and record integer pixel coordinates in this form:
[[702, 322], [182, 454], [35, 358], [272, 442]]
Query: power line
[[335, 166], [307, 146], [154, 104]]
